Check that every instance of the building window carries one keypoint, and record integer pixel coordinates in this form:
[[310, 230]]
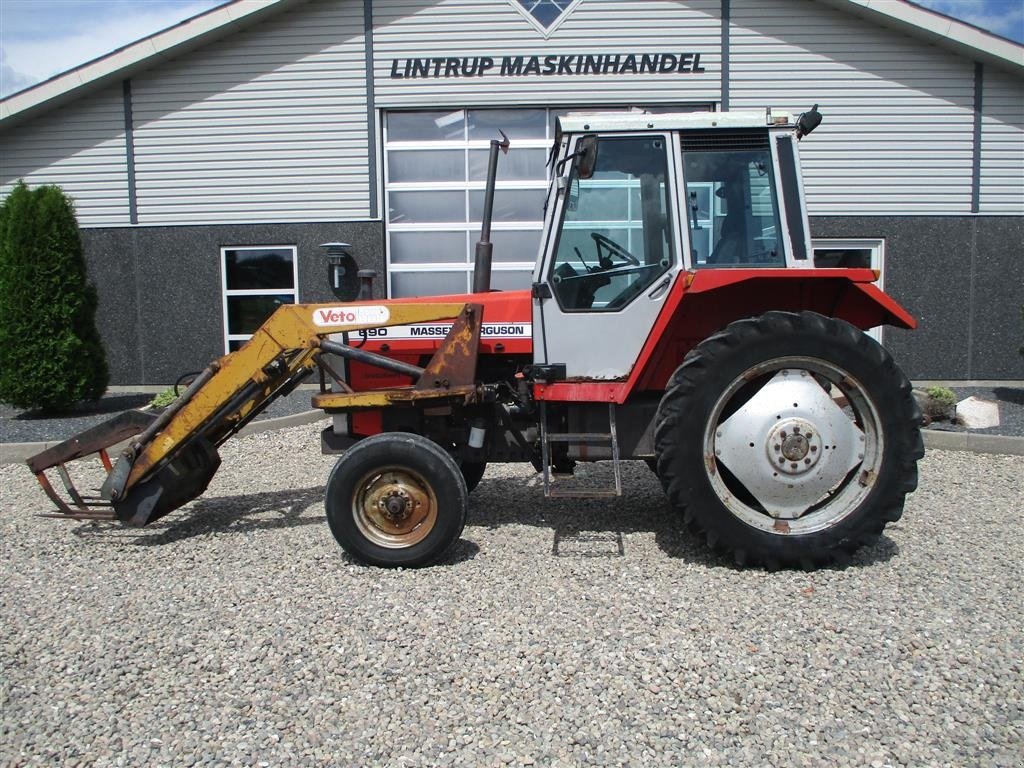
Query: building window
[[847, 254], [435, 171], [853, 253], [256, 280]]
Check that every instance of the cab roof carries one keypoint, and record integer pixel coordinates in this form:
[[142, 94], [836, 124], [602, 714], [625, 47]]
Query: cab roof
[[580, 122]]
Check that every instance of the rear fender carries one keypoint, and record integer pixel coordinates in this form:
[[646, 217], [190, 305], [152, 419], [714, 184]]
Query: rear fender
[[849, 294], [867, 306], [706, 301]]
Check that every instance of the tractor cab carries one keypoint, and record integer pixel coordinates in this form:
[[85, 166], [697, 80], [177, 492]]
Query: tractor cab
[[638, 200]]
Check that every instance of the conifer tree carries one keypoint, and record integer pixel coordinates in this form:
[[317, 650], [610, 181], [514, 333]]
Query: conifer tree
[[50, 351]]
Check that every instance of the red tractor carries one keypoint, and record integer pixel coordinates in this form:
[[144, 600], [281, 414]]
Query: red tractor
[[676, 316]]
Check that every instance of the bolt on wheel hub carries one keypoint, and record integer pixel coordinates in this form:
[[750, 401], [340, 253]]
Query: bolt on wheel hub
[[395, 505]]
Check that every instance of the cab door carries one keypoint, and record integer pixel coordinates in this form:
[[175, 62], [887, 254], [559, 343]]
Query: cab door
[[612, 254]]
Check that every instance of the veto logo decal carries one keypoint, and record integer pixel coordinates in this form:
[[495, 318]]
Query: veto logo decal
[[440, 330], [328, 316]]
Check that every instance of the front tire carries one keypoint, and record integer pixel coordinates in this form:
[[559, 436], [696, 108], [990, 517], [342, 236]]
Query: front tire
[[396, 500], [788, 439]]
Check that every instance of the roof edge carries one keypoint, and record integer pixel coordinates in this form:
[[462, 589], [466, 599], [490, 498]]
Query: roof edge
[[123, 62], [966, 39]]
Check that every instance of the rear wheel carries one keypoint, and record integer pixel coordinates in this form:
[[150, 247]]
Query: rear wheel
[[788, 439], [396, 499]]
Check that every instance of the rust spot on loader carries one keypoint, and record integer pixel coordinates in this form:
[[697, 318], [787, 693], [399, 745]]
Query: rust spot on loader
[[454, 363]]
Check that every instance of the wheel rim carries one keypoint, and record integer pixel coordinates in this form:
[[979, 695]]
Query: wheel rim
[[793, 445], [394, 507]]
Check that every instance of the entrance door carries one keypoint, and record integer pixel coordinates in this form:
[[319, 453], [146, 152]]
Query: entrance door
[[615, 254]]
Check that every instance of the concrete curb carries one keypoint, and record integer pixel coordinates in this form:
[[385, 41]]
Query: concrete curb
[[973, 442], [17, 453]]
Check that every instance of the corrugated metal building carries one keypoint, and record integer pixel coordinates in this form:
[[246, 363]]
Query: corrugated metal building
[[209, 161]]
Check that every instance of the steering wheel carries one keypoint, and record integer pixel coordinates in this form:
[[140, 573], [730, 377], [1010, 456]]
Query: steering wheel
[[614, 249]]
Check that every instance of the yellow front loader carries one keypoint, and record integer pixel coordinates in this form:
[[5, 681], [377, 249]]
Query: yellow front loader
[[171, 457]]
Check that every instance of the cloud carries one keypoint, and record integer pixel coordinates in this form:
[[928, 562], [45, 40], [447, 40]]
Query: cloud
[[32, 55], [11, 80], [1004, 17]]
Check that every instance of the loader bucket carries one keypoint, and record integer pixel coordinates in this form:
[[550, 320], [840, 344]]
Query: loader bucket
[[95, 440], [175, 484], [178, 482]]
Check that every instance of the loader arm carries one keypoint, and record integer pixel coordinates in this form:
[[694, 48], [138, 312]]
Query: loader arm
[[171, 459], [245, 381]]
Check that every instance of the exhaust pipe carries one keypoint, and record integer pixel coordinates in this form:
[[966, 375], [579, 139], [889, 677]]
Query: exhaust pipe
[[484, 247]]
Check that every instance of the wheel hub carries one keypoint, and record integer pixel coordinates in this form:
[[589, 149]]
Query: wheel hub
[[395, 505], [789, 445], [794, 446]]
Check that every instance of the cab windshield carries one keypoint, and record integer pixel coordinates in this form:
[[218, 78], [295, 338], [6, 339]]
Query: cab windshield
[[615, 238]]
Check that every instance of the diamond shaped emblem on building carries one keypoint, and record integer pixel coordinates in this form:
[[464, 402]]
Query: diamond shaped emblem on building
[[545, 15]]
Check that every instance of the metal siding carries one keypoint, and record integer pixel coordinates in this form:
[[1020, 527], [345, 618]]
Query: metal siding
[[1002, 143], [80, 147], [897, 134], [268, 124], [466, 28]]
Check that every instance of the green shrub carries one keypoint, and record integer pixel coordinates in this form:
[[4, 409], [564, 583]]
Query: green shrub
[[940, 404], [50, 352], [942, 396], [164, 399]]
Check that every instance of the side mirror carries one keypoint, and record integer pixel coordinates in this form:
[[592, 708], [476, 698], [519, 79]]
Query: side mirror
[[586, 156], [807, 122]]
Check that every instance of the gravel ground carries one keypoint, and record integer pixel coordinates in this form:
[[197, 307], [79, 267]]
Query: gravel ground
[[17, 426], [235, 632]]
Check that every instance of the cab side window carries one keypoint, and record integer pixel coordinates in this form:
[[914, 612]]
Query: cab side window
[[732, 208]]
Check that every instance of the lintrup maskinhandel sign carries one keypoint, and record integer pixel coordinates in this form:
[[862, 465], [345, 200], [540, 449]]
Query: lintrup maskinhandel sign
[[542, 66]]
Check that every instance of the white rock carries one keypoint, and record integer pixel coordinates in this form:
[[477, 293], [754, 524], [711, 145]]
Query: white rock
[[978, 414]]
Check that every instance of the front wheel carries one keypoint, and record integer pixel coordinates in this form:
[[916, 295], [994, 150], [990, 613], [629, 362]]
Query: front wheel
[[788, 439], [396, 500]]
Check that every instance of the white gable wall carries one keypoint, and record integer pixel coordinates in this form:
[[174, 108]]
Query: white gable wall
[[267, 125], [897, 137], [1002, 144], [270, 123], [81, 147]]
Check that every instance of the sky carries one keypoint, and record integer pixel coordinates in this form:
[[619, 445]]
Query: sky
[[42, 38]]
